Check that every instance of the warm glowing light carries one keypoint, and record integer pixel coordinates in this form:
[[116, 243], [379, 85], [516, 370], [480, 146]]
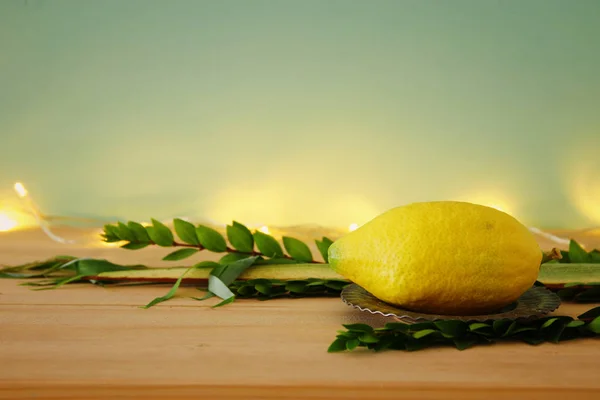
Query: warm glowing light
[[353, 227], [265, 229], [20, 189], [111, 244], [7, 223], [497, 207], [584, 187], [491, 199]]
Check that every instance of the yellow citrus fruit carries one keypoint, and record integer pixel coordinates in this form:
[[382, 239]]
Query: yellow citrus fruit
[[443, 257]]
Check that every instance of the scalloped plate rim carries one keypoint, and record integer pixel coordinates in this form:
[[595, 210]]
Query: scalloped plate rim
[[422, 317]]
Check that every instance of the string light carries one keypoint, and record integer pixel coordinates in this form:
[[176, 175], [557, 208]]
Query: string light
[[20, 189], [8, 222], [549, 236], [37, 214]]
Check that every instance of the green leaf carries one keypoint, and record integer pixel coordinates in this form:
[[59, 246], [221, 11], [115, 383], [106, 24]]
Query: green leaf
[[93, 267], [510, 329], [575, 324], [125, 233], [476, 326], [567, 294], [595, 256], [134, 246], [323, 246], [523, 329], [246, 290], [111, 233], [422, 325], [594, 326], [348, 334], [590, 314], [591, 295], [240, 237], [389, 342], [169, 294], [206, 296], [160, 234], [210, 239], [336, 285], [207, 264], [267, 245], [296, 286], [224, 302], [452, 328], [219, 288], [65, 281], [396, 326], [555, 331], [264, 287], [501, 325], [297, 249], [180, 254], [230, 272], [548, 322], [337, 346], [231, 258], [186, 231], [359, 328], [352, 344], [533, 339], [464, 343], [368, 338], [139, 232], [425, 332], [577, 255]]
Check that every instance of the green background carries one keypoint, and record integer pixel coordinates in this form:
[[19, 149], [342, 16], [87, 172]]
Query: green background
[[290, 112]]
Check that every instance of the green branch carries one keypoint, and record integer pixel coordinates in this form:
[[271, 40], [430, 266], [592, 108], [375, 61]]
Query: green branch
[[462, 335], [194, 238]]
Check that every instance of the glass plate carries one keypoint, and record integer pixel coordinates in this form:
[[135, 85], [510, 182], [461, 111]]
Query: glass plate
[[534, 303]]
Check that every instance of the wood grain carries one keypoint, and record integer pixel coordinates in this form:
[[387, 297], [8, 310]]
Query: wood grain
[[83, 342]]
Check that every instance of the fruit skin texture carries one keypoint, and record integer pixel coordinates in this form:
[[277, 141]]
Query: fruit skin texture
[[441, 257]]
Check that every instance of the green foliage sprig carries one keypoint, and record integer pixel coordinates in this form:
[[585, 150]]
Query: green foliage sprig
[[578, 255], [246, 249], [265, 289], [587, 292], [462, 335], [195, 238], [58, 271]]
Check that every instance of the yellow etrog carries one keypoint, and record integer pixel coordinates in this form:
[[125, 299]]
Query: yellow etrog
[[443, 257]]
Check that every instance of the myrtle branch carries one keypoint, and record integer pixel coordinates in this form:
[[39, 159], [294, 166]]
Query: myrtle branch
[[242, 242]]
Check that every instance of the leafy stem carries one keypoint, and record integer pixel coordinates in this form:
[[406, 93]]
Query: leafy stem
[[227, 250], [462, 335], [194, 238]]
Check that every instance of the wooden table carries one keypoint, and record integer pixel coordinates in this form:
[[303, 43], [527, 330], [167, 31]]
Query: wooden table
[[83, 342]]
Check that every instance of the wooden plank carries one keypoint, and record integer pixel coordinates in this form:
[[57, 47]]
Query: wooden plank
[[251, 345], [90, 342], [351, 391]]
